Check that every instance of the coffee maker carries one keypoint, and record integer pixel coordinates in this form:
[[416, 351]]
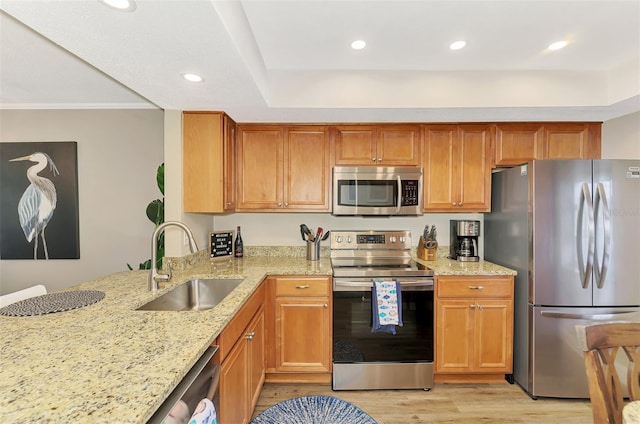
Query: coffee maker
[[463, 245]]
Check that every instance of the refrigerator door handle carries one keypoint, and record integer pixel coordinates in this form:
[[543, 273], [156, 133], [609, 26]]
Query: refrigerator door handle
[[592, 317], [601, 268], [585, 271]]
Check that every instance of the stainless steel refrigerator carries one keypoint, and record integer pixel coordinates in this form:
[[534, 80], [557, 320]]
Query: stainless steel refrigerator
[[571, 228]]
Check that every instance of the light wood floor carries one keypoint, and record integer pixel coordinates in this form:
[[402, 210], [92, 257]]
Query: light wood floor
[[445, 403]]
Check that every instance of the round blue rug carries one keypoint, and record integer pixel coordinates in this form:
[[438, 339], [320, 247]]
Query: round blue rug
[[314, 410]]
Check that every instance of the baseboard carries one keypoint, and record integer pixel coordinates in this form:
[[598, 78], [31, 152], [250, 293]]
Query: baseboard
[[301, 378]]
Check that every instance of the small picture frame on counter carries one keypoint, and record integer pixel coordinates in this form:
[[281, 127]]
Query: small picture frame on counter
[[221, 244]]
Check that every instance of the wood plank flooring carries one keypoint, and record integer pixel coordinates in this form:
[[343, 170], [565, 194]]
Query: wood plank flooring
[[445, 403]]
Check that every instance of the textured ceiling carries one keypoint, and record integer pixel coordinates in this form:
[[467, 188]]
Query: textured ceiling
[[290, 61]]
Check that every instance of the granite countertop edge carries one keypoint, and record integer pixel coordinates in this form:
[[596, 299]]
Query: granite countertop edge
[[107, 362]]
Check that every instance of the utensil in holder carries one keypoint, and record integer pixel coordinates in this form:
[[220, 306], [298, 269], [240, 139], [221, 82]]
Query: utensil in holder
[[427, 249], [313, 250]]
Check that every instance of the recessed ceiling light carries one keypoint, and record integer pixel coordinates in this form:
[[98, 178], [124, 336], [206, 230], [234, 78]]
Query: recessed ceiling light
[[122, 5], [457, 45], [558, 45], [358, 45], [192, 77]]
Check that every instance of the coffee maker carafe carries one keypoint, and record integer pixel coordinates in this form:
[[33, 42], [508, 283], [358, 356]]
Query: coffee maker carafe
[[463, 245]]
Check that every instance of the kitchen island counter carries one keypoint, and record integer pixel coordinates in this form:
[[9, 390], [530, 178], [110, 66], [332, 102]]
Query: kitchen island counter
[[107, 362]]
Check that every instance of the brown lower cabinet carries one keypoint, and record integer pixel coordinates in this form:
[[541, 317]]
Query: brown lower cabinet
[[299, 329], [474, 328], [242, 352]]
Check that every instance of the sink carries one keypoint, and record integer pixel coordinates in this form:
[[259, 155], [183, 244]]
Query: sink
[[194, 295]]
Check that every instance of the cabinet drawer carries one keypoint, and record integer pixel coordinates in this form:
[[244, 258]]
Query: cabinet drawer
[[474, 287], [296, 286]]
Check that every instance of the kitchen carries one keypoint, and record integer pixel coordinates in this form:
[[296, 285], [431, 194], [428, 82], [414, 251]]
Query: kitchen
[[117, 146]]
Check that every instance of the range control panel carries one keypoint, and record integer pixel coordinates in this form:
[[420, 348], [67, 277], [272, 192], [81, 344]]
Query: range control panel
[[367, 240]]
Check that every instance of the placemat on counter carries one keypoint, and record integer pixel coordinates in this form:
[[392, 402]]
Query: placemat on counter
[[52, 302]]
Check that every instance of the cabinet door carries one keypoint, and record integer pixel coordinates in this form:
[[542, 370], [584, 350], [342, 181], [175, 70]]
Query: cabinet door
[[398, 145], [473, 169], [229, 165], [439, 167], [493, 336], [202, 167], [307, 176], [256, 358], [454, 335], [260, 170], [303, 334], [566, 141], [355, 145], [234, 386], [518, 143]]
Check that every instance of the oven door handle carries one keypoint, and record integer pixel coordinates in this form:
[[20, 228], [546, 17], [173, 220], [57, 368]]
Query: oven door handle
[[369, 284], [399, 205]]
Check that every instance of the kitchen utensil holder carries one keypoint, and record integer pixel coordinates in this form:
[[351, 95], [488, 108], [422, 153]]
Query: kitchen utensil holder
[[428, 254], [313, 250]]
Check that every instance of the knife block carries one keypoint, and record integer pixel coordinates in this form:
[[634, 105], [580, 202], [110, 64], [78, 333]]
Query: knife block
[[424, 253]]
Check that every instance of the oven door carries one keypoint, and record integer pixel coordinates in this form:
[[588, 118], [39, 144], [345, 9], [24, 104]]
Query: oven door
[[353, 340], [377, 191]]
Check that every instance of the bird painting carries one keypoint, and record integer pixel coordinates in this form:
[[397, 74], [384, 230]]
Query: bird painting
[[38, 202]]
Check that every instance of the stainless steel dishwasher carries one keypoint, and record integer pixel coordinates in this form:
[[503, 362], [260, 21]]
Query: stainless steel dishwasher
[[200, 382]]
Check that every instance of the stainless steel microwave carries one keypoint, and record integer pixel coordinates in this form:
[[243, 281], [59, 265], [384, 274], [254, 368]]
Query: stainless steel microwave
[[374, 190]]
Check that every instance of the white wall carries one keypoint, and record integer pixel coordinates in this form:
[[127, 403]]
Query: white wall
[[621, 137], [118, 155]]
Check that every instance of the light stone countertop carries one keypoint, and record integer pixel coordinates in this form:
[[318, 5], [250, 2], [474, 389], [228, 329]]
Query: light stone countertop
[[107, 363]]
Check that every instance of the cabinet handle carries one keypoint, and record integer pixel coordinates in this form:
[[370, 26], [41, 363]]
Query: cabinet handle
[[454, 204], [286, 204], [480, 307], [279, 204], [476, 287], [373, 159], [250, 336], [306, 286], [379, 159], [325, 305], [229, 203], [472, 306], [461, 203]]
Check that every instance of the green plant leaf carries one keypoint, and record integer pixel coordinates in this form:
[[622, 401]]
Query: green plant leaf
[[160, 178], [155, 212]]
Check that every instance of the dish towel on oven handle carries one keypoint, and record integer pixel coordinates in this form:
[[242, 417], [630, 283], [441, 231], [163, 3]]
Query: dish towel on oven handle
[[386, 299]]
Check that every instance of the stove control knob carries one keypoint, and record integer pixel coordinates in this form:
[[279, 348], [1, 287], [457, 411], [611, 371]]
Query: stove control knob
[[349, 239], [403, 239], [339, 239], [392, 239]]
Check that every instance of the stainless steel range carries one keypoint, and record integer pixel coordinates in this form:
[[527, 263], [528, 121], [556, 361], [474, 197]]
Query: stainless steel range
[[362, 358]]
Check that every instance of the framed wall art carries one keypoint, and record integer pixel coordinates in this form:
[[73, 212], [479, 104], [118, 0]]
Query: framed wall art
[[39, 207]]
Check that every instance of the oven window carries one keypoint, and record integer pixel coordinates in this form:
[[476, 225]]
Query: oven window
[[353, 340], [373, 193]]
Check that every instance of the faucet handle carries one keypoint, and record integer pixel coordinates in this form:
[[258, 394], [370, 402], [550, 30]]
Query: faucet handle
[[168, 274]]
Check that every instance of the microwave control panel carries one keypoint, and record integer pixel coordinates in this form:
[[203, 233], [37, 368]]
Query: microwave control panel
[[409, 192]]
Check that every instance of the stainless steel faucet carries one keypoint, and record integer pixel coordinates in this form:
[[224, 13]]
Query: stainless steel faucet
[[154, 276]]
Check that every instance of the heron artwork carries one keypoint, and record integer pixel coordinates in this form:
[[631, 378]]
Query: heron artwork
[[38, 202]]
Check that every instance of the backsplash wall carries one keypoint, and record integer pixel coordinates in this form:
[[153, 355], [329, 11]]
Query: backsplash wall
[[283, 229]]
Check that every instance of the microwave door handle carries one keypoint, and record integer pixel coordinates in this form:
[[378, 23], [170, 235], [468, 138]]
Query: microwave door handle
[[399, 195]]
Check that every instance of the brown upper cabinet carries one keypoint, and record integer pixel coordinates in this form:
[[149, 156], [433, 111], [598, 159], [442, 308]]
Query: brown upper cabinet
[[208, 162], [283, 168], [517, 143], [457, 168], [375, 145]]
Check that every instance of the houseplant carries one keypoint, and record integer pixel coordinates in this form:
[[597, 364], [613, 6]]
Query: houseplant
[[155, 213]]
